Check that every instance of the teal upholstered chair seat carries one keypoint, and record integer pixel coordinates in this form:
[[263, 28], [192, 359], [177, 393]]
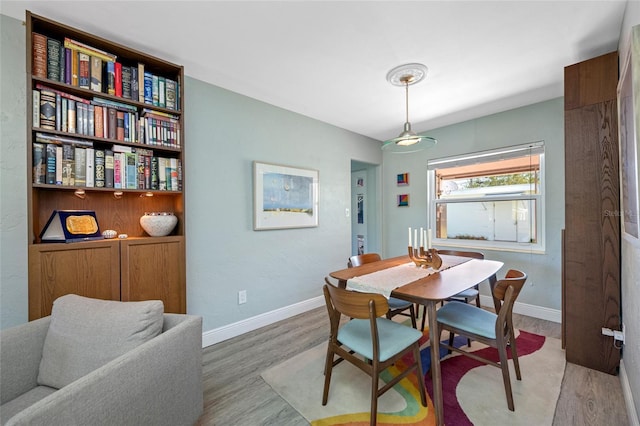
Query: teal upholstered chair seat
[[393, 337], [469, 317]]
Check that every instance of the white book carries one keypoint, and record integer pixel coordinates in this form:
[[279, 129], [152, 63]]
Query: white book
[[90, 175], [162, 173], [58, 165], [174, 174]]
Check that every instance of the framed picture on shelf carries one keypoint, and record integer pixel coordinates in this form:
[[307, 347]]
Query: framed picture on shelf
[[403, 179], [403, 200], [628, 110], [284, 197]]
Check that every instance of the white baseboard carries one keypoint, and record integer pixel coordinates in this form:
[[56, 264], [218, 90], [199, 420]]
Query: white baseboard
[[628, 396], [540, 312], [229, 331], [244, 326]]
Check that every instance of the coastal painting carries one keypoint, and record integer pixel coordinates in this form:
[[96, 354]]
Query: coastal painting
[[284, 197]]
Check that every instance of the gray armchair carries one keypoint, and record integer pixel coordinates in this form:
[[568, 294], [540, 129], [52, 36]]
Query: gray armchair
[[159, 382]]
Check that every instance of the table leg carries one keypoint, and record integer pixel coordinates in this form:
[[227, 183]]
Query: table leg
[[436, 378]]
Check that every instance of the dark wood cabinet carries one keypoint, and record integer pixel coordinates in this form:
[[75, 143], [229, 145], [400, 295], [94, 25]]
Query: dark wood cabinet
[[147, 139], [591, 239]]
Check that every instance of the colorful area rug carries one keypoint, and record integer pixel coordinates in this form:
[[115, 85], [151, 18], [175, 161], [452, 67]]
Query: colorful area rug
[[473, 392]]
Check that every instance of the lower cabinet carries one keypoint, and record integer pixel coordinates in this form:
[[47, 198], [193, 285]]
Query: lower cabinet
[[128, 270]]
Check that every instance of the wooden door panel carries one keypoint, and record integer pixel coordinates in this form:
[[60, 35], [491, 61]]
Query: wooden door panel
[[153, 268], [90, 269]]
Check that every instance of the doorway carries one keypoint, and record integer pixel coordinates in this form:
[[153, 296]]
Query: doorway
[[365, 208]]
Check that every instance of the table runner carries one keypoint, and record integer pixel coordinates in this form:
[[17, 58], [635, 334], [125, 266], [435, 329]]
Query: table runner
[[387, 280]]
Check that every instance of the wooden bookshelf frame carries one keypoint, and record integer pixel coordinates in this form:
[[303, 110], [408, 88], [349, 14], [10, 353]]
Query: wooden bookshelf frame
[[57, 269]]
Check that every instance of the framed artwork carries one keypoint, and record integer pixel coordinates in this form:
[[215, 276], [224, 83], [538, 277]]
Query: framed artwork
[[403, 179], [284, 197], [403, 200], [360, 208], [360, 182], [628, 109], [360, 244]]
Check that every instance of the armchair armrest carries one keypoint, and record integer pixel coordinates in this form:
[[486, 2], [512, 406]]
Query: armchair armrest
[[159, 383], [20, 355]]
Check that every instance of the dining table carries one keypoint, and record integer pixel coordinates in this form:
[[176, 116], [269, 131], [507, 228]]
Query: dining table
[[425, 286]]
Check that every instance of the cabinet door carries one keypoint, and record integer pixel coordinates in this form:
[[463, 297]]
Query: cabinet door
[[154, 268], [90, 269]]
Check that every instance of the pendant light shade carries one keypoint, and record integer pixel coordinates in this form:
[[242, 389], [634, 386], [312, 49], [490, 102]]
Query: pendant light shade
[[408, 140]]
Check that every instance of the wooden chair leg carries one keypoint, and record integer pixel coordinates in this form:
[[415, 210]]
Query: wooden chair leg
[[514, 355], [504, 366], [420, 372], [413, 316], [451, 336], [374, 397], [424, 317], [328, 366]]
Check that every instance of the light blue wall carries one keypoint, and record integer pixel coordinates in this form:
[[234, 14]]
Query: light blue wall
[[225, 133], [543, 121], [13, 175]]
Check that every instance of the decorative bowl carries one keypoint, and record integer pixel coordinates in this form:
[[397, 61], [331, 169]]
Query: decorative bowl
[[158, 224]]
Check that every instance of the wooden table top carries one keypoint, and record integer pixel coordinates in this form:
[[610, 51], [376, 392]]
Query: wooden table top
[[434, 287]]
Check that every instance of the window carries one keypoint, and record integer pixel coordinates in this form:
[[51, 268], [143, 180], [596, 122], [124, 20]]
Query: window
[[491, 199]]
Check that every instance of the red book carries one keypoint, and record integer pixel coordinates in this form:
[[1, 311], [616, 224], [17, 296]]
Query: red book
[[39, 58], [118, 79], [98, 121]]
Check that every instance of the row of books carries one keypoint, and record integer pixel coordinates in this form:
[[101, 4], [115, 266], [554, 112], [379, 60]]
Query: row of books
[[68, 162], [78, 64], [103, 118]]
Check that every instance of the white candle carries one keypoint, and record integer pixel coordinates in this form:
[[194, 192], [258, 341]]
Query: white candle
[[409, 236], [426, 239], [429, 238], [415, 236], [422, 241]]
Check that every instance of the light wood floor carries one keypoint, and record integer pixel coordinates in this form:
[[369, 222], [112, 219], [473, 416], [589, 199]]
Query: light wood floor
[[236, 395]]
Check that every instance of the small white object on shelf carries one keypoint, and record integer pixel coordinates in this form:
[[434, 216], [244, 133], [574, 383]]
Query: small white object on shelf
[[109, 233], [158, 224]]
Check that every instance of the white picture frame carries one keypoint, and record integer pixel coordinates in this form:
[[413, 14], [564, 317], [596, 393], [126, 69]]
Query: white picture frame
[[284, 197]]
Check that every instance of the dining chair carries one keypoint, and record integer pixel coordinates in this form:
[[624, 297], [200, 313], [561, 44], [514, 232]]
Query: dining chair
[[493, 329], [467, 295], [379, 342], [396, 306]]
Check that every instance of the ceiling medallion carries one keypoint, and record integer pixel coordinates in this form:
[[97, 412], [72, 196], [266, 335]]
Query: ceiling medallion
[[408, 141]]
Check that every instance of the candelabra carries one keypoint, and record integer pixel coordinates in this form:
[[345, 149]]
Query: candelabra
[[425, 259]]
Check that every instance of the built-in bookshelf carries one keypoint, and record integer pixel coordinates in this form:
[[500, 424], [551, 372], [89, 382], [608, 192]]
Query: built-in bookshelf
[[105, 134]]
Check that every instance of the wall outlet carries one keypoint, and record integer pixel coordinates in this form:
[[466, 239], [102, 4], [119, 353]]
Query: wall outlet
[[242, 297]]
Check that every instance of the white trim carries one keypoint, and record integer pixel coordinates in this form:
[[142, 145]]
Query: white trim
[[628, 396], [540, 312], [228, 331]]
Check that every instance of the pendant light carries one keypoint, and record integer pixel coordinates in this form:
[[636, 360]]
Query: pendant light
[[408, 141]]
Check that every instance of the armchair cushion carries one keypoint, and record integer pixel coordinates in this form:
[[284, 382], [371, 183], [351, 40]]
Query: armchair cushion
[[85, 334]]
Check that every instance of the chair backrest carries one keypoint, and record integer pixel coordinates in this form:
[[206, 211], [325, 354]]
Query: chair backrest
[[354, 304], [361, 259], [473, 254], [507, 290]]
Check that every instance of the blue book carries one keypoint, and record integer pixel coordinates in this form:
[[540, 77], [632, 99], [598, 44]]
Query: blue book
[[127, 137], [148, 88]]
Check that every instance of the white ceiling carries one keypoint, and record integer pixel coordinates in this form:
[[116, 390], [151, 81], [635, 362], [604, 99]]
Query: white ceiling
[[329, 60]]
